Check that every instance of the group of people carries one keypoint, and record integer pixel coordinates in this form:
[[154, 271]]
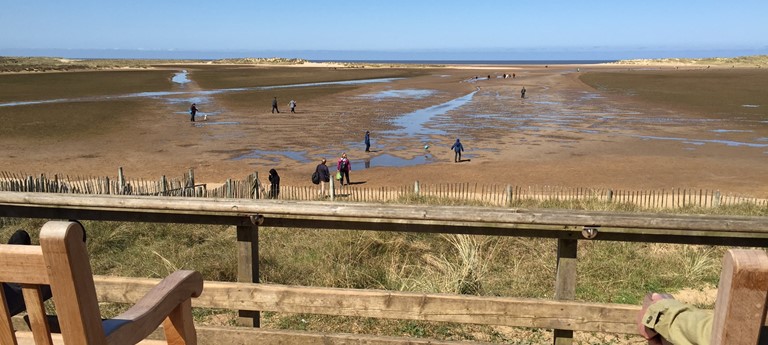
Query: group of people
[[291, 104]]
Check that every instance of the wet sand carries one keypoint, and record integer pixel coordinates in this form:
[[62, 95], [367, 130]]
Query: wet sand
[[564, 133]]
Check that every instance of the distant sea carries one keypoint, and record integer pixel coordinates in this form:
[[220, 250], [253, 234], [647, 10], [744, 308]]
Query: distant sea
[[475, 62]]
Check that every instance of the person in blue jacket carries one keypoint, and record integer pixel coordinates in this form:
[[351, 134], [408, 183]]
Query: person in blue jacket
[[457, 149], [367, 141]]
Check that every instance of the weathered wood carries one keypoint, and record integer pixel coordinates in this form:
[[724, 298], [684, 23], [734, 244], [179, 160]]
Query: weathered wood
[[480, 216], [517, 312], [741, 298], [215, 336], [565, 283], [248, 268]]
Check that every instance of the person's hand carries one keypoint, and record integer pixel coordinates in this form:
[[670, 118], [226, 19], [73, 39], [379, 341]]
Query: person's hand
[[645, 332]]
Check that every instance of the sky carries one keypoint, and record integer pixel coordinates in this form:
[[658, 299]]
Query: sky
[[392, 29]]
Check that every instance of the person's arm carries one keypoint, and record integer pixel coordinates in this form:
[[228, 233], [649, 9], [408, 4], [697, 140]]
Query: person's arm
[[674, 321]]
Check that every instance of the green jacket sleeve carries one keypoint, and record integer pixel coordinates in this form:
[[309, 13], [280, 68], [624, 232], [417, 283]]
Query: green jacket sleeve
[[679, 323]]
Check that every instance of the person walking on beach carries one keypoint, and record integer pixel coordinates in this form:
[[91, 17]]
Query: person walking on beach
[[457, 149], [292, 105], [367, 141], [324, 175], [522, 92], [343, 167], [193, 111], [274, 106], [274, 181]]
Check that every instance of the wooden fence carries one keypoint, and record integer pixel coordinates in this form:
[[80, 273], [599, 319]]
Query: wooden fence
[[248, 297], [493, 195]]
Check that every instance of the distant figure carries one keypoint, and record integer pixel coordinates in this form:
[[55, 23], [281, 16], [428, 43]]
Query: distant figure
[[274, 106], [193, 111], [367, 141], [324, 174], [522, 92], [457, 148], [343, 167], [274, 181], [513, 76], [292, 105], [489, 77]]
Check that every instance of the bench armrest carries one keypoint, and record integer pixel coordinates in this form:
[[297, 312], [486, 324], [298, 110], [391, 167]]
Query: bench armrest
[[173, 292]]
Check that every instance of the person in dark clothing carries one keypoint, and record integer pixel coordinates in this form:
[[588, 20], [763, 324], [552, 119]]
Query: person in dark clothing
[[274, 106], [522, 92], [193, 111], [457, 148], [367, 141], [274, 180], [325, 176]]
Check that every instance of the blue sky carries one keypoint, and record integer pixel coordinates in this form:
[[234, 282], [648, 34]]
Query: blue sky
[[386, 29]]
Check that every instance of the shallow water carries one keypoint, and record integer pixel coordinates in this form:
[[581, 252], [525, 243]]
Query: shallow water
[[180, 78], [412, 123], [191, 94], [702, 141], [404, 93]]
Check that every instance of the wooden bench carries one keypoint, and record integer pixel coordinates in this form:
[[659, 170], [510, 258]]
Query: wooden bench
[[61, 261]]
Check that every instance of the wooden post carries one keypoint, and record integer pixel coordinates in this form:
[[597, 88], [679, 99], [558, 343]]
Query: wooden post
[[248, 268], [416, 188], [565, 283], [229, 188], [256, 186], [716, 202], [509, 195], [610, 195], [741, 297], [164, 185], [331, 190], [191, 183]]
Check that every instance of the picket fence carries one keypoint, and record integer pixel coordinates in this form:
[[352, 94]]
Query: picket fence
[[252, 188]]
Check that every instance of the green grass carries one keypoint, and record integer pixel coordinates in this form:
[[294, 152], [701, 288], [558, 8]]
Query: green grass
[[612, 272]]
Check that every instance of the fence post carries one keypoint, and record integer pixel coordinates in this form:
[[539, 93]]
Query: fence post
[[191, 182], [565, 283], [716, 202], [509, 195], [229, 188], [331, 189], [416, 188], [120, 181], [256, 186], [741, 298], [248, 268], [610, 195]]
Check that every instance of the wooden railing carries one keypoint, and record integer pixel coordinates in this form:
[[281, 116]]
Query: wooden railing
[[568, 227]]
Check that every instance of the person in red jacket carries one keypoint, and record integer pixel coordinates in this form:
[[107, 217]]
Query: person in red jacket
[[344, 166]]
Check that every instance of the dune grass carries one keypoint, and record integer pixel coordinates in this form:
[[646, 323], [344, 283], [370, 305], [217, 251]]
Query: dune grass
[[614, 272]]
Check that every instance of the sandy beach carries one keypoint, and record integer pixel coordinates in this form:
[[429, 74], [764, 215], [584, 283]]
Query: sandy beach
[[565, 132]]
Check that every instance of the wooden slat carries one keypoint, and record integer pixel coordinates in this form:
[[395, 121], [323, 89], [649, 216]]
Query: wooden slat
[[741, 298], [26, 338], [24, 263], [6, 325], [220, 335], [520, 312], [33, 298], [67, 263]]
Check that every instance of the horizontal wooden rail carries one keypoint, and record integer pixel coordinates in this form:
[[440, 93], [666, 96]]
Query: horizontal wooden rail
[[567, 224], [516, 312]]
